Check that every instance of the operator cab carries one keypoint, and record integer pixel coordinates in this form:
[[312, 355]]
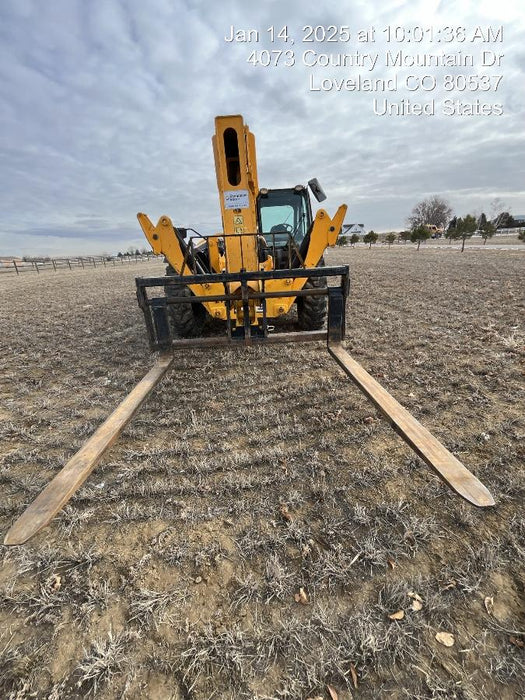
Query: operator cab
[[284, 220], [284, 216]]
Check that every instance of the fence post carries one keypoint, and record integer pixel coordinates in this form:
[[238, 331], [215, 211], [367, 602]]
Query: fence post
[[54, 264], [69, 263], [94, 263], [82, 263], [36, 266], [16, 268]]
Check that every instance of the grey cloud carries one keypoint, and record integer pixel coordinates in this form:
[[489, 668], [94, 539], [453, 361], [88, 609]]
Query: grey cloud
[[107, 108]]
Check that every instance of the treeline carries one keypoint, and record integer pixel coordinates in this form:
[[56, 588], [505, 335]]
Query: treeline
[[433, 217], [458, 229], [131, 251]]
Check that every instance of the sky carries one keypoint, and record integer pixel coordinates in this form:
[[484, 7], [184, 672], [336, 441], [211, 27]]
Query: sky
[[107, 109]]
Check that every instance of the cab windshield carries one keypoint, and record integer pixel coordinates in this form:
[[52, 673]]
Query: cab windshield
[[283, 213]]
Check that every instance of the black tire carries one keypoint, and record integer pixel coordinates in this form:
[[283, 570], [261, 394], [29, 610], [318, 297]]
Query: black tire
[[311, 311], [186, 320]]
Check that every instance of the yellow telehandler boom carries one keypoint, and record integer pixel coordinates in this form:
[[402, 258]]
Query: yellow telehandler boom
[[268, 257]]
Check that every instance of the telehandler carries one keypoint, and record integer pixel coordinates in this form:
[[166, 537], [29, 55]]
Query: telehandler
[[256, 268], [268, 257]]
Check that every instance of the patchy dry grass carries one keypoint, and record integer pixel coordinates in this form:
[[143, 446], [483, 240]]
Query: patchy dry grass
[[175, 571]]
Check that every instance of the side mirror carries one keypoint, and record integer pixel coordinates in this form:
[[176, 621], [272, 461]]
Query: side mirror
[[317, 190]]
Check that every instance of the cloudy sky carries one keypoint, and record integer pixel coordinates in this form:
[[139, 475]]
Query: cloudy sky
[[107, 108]]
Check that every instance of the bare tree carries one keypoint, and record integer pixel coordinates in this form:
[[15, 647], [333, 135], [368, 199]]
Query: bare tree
[[497, 206], [433, 210]]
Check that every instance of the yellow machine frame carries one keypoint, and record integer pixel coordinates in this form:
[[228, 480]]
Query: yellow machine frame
[[237, 182]]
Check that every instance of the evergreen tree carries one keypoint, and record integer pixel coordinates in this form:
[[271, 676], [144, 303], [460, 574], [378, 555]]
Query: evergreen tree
[[487, 229], [418, 234], [462, 229], [371, 238], [390, 238]]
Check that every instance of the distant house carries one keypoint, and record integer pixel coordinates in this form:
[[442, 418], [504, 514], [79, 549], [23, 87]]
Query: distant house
[[349, 229]]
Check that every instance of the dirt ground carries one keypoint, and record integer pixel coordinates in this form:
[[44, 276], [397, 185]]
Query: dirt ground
[[257, 526]]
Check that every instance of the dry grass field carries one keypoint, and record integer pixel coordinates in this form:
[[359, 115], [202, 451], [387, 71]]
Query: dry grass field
[[257, 524]]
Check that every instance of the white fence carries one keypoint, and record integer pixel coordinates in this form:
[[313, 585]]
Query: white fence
[[41, 264]]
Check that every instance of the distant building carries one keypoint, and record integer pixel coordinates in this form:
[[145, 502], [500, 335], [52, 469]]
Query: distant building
[[349, 229]]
